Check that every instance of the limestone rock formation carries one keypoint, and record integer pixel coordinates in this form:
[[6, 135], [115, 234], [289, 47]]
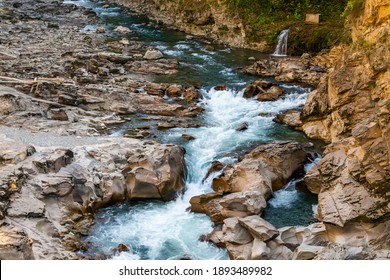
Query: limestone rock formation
[[291, 70], [47, 199], [351, 110], [202, 18], [265, 169], [238, 204]]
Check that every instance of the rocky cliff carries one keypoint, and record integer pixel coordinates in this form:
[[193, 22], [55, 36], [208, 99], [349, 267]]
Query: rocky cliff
[[205, 18], [351, 110]]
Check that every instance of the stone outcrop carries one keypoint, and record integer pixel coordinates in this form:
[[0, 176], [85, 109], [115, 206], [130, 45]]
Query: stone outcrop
[[252, 238], [47, 199], [219, 207], [291, 70], [242, 188], [267, 168], [239, 198], [351, 110], [263, 91]]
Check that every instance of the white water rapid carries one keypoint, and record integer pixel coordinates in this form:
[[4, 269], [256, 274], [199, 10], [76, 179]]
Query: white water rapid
[[155, 230]]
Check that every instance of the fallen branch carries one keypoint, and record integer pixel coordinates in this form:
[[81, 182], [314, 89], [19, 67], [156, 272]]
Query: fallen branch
[[36, 83]]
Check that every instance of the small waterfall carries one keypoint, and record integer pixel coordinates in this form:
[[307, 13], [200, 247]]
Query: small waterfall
[[281, 48]]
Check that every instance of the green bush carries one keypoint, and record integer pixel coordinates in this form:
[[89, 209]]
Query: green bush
[[353, 8], [266, 18]]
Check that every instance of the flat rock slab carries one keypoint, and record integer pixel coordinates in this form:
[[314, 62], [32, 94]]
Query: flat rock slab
[[26, 205]]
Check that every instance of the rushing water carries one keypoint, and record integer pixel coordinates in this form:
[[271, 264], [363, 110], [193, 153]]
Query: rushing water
[[156, 230]]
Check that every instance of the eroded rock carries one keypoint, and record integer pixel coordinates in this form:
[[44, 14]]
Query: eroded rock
[[265, 169], [239, 204], [259, 227]]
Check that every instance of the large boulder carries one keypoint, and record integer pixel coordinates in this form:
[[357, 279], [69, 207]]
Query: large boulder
[[267, 168], [259, 228], [153, 54], [239, 204]]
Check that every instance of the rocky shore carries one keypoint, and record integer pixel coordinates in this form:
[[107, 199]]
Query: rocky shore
[[60, 91], [64, 89]]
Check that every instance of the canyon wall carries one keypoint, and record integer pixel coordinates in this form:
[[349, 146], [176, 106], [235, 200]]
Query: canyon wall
[[205, 18], [351, 110]]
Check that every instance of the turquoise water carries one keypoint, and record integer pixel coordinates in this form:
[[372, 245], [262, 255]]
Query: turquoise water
[[156, 230]]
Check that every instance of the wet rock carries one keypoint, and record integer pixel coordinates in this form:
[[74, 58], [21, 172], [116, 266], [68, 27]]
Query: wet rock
[[191, 95], [185, 258], [216, 236], [122, 30], [215, 167], [153, 54], [252, 90], [291, 118], [121, 248], [143, 182], [100, 30], [174, 91], [221, 87], [187, 137], [271, 94], [242, 127], [163, 126], [207, 203]]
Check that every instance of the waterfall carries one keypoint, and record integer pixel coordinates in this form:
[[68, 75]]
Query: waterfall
[[281, 48]]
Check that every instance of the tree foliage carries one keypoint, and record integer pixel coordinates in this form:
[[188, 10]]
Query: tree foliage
[[268, 17]]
